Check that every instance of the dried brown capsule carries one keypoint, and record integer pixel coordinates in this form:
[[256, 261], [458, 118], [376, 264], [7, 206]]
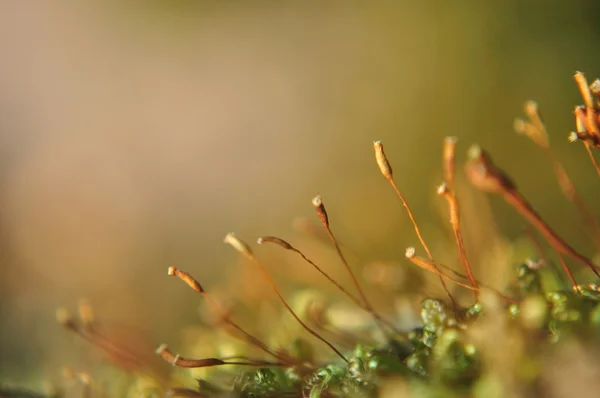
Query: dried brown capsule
[[277, 241], [386, 170], [382, 162], [449, 160], [584, 89], [187, 278], [482, 172], [239, 245], [317, 202]]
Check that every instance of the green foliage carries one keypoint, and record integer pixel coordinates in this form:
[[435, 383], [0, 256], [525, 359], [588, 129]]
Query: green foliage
[[437, 356]]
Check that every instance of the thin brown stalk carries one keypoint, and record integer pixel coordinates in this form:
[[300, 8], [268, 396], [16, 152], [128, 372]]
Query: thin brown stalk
[[312, 229], [536, 131], [176, 360], [120, 355], [588, 219], [447, 191], [484, 175], [455, 223], [449, 161], [465, 277], [244, 249], [519, 203], [195, 285], [592, 158], [543, 255], [386, 170], [565, 267], [123, 355], [316, 314], [284, 244], [433, 267], [322, 214]]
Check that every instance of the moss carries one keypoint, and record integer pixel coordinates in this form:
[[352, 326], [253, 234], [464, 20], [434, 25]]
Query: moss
[[501, 345]]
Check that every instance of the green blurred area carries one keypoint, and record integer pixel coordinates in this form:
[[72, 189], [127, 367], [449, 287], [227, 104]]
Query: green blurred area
[[134, 136]]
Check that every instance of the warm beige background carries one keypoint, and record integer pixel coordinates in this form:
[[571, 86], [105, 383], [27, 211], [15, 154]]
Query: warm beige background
[[133, 137]]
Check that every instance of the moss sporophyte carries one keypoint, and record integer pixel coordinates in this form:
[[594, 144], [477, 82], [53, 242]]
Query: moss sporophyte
[[494, 341]]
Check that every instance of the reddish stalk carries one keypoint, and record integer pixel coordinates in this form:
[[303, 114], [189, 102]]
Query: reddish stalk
[[120, 355], [536, 131], [285, 245], [317, 316], [245, 250], [193, 283], [543, 256], [484, 175], [176, 360], [312, 229], [518, 202], [431, 266], [322, 214], [565, 267], [386, 170], [571, 193], [592, 158], [465, 277], [455, 223], [447, 191]]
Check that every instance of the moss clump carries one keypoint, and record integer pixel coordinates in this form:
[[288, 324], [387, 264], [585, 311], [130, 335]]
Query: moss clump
[[508, 343]]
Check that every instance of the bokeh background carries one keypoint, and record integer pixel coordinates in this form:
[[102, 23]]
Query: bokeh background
[[134, 135]]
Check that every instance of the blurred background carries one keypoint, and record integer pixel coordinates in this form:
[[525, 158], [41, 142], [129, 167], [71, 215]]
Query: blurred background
[[135, 135]]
